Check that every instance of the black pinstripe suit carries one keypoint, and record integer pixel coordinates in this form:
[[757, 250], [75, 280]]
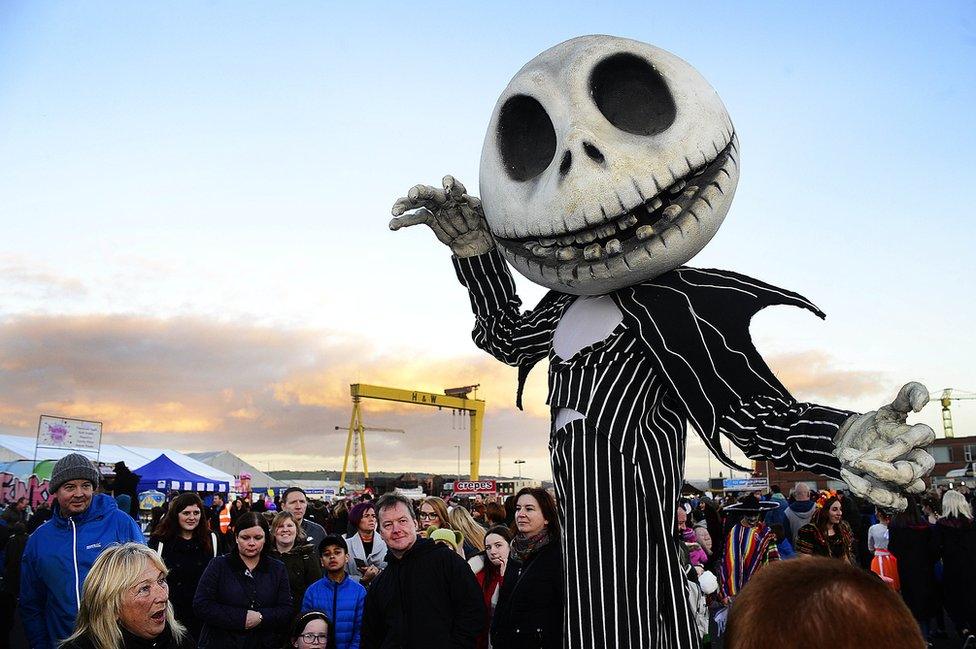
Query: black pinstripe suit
[[682, 353]]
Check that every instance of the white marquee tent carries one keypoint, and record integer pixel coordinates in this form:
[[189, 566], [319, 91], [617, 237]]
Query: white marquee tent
[[18, 447]]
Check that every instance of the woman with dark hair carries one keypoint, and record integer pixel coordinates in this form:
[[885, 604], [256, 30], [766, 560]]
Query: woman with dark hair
[[184, 541], [243, 596], [494, 514], [828, 534], [530, 603], [706, 512], [955, 540], [910, 540], [367, 551], [313, 630], [498, 542], [301, 559]]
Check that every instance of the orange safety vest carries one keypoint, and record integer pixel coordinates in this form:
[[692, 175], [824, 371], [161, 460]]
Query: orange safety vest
[[225, 519]]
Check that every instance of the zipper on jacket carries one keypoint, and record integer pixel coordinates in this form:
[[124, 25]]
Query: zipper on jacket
[[335, 601], [74, 556]]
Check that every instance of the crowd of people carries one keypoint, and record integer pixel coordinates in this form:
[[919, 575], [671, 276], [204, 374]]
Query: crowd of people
[[924, 555], [395, 572]]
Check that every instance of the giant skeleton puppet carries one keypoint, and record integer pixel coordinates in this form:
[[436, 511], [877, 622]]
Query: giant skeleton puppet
[[608, 164]]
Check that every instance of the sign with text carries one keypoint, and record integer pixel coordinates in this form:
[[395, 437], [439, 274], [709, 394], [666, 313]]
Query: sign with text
[[745, 484], [475, 487], [75, 434]]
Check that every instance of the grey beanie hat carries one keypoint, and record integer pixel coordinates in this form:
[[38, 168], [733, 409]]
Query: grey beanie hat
[[73, 467]]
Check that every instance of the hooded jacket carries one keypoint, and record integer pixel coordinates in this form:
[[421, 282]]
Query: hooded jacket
[[798, 514], [427, 598], [343, 603], [56, 561]]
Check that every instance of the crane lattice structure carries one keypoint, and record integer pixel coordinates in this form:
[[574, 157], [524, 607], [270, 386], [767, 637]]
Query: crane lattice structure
[[946, 397], [455, 399]]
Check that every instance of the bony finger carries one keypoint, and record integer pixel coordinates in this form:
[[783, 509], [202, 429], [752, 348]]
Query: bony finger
[[403, 204], [473, 201], [900, 473], [420, 216], [916, 487], [848, 455], [427, 194], [912, 397], [453, 187], [923, 459]]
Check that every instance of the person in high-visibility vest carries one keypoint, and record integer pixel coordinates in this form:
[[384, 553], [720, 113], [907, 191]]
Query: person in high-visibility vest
[[225, 518]]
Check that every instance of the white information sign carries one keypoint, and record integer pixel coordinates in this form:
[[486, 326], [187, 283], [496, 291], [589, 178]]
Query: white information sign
[[76, 434]]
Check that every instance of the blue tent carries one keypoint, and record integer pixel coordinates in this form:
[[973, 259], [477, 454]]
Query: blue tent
[[164, 475]]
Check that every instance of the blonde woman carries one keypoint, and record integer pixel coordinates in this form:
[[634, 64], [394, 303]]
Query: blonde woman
[[301, 559], [955, 541], [433, 516], [126, 604], [474, 535]]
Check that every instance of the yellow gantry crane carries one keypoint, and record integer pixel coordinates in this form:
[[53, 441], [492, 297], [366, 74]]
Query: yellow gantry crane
[[946, 397], [455, 399]]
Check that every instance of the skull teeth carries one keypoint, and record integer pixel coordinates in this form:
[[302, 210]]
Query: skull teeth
[[566, 254], [606, 231], [541, 251], [592, 252], [586, 237], [677, 187], [645, 232], [613, 247], [626, 222], [671, 211]]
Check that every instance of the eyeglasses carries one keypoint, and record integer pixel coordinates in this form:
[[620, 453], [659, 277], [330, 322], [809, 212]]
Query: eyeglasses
[[429, 515], [315, 638]]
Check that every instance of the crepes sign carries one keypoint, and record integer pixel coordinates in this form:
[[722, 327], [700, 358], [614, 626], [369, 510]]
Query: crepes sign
[[476, 487]]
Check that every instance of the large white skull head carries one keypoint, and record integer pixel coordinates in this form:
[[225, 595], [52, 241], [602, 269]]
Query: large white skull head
[[607, 162]]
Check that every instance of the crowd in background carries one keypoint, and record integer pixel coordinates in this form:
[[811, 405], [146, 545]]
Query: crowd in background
[[926, 553], [473, 572]]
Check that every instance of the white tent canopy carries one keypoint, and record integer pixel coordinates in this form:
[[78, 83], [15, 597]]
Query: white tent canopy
[[18, 447], [227, 461]]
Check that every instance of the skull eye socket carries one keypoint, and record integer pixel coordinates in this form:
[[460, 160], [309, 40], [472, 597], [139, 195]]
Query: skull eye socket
[[632, 95], [526, 137]]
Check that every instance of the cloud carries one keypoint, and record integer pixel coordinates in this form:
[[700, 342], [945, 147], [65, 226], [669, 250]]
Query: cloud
[[31, 281], [276, 395], [814, 374]]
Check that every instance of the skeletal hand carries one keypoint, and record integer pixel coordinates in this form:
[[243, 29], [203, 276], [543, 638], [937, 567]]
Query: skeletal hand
[[455, 217], [881, 455]]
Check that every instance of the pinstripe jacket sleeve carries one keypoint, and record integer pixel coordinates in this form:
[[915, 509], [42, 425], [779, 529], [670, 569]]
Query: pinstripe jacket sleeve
[[695, 325], [501, 328]]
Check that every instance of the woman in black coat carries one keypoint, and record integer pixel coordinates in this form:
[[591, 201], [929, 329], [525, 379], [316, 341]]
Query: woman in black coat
[[243, 597], [955, 540], [910, 540], [529, 614], [184, 540]]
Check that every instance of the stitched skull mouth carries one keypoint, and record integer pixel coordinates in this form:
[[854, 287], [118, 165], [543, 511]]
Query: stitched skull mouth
[[680, 206]]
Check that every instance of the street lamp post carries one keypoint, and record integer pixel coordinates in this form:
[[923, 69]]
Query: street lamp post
[[520, 463], [499, 461], [458, 447]]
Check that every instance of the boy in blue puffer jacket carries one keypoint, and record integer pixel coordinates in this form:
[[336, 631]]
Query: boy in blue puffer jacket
[[337, 595], [60, 552]]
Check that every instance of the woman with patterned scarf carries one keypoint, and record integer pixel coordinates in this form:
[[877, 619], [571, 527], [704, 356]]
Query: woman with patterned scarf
[[529, 614], [828, 534]]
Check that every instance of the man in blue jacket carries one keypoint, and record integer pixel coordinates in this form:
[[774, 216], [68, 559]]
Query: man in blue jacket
[[60, 552], [336, 594]]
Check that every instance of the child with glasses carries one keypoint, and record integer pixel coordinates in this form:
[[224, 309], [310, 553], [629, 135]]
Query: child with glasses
[[313, 630]]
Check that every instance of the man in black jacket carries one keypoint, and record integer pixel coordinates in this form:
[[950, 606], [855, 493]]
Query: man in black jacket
[[426, 597]]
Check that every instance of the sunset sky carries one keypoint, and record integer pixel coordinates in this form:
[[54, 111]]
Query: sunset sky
[[195, 196]]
